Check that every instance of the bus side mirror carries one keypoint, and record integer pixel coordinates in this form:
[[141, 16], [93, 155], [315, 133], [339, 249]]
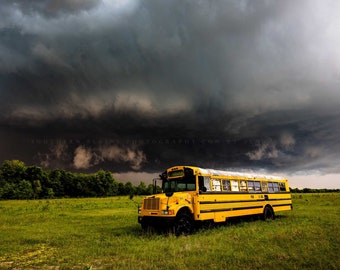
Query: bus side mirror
[[169, 194]]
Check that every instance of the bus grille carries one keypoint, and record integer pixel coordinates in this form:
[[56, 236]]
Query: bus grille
[[151, 204]]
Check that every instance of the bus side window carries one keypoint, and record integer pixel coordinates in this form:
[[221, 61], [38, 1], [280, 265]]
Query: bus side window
[[201, 186], [226, 185], [243, 185], [251, 186], [271, 187], [282, 186], [276, 186], [216, 184], [234, 185], [257, 186], [207, 182], [264, 186]]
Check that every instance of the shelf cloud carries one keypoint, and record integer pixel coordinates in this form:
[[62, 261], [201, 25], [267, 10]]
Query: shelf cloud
[[143, 85]]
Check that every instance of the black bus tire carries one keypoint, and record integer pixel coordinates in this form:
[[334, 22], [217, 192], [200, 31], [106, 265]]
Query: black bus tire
[[184, 224], [268, 213]]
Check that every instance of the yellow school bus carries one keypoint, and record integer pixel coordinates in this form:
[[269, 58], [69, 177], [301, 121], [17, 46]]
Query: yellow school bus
[[191, 195]]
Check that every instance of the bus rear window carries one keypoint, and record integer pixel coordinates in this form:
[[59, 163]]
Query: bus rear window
[[282, 186]]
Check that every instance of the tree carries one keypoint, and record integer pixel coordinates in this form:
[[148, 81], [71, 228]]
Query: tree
[[150, 189], [114, 188], [129, 188], [9, 191], [55, 182], [104, 183], [24, 190], [121, 189], [68, 181], [12, 171], [141, 189], [39, 179], [37, 188]]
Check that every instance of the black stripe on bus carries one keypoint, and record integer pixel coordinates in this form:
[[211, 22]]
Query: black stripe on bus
[[230, 209], [244, 201], [278, 205], [240, 208], [244, 192]]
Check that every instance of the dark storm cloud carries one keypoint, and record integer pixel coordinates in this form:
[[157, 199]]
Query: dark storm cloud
[[147, 84]]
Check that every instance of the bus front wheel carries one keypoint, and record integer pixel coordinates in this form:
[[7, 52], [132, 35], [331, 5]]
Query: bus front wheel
[[268, 213], [184, 224]]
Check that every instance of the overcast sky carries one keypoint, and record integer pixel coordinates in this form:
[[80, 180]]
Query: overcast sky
[[139, 86]]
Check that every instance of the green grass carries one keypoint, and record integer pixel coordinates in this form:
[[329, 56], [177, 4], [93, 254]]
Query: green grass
[[104, 234]]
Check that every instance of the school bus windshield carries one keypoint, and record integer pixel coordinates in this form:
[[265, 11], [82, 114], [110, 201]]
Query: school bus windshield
[[179, 184], [179, 180]]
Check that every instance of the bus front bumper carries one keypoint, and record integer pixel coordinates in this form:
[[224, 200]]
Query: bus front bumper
[[156, 221]]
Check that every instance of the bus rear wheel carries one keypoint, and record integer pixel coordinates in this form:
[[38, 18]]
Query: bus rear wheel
[[184, 225], [268, 213]]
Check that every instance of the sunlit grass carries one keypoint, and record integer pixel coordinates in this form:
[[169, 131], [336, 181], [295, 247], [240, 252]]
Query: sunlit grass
[[104, 234]]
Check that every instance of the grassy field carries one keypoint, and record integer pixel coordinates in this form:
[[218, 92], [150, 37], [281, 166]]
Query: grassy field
[[104, 234]]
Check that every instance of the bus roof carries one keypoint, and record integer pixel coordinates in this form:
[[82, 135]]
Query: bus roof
[[240, 174]]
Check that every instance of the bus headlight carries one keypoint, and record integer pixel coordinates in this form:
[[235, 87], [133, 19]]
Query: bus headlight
[[167, 212]]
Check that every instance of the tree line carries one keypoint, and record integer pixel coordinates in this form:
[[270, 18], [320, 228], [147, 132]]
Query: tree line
[[18, 181], [313, 190]]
